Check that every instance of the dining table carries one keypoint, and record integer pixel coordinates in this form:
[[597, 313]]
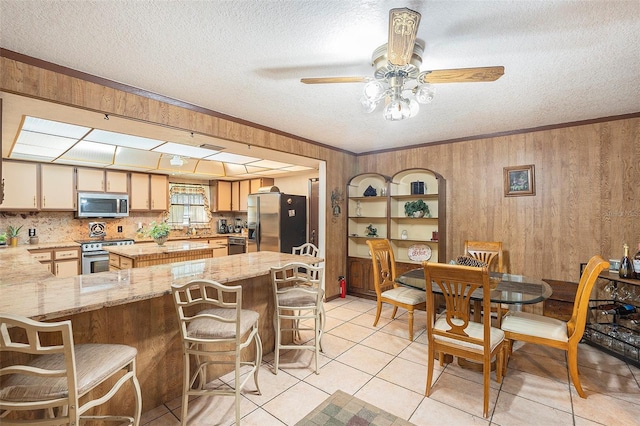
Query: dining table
[[511, 289]]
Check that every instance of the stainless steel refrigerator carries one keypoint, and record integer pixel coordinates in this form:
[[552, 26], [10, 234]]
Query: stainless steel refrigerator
[[276, 221]]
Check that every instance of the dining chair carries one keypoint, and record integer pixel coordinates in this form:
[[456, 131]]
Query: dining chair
[[387, 290], [214, 330], [453, 332], [489, 252], [53, 374], [298, 297], [555, 333]]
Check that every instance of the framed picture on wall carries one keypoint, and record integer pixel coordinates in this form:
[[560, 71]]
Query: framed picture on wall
[[519, 180]]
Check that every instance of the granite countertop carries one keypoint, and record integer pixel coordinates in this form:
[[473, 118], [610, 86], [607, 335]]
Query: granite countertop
[[29, 290], [181, 237], [140, 250]]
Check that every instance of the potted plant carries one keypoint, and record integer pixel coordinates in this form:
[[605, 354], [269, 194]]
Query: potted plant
[[13, 233], [159, 232], [3, 238], [416, 208]]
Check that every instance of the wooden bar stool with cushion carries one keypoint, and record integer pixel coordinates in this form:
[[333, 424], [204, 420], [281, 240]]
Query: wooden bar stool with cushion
[[215, 329], [541, 330], [52, 373], [387, 290], [298, 297], [453, 332], [310, 249]]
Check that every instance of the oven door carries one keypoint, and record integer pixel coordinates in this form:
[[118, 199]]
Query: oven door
[[95, 261]]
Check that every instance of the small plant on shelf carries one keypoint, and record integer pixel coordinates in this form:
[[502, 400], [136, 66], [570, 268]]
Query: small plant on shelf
[[416, 208], [158, 231]]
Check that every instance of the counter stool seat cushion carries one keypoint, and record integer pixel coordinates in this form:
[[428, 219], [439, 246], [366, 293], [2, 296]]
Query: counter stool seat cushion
[[208, 328], [95, 362], [535, 325], [298, 297]]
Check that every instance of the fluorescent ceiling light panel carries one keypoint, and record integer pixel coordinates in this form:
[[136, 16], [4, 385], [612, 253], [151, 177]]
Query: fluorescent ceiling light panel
[[130, 141], [297, 168], [251, 169], [270, 172], [234, 169], [268, 164], [91, 152], [49, 127], [137, 158], [30, 156], [183, 150], [36, 141], [232, 158]]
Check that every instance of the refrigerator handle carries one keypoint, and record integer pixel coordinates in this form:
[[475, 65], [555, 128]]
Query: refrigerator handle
[[257, 223]]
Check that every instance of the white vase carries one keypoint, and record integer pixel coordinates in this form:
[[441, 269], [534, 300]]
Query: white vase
[[418, 214]]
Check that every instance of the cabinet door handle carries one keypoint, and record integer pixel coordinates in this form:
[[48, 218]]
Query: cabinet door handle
[[34, 201], [57, 269], [108, 185], [44, 201]]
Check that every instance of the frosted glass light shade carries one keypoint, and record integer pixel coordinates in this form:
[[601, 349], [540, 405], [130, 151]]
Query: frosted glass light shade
[[397, 109], [425, 93]]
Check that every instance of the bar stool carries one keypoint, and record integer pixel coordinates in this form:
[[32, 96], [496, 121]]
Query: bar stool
[[298, 296], [211, 320], [59, 373]]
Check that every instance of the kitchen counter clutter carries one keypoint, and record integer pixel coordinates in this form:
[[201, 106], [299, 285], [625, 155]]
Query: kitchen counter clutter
[[140, 255]]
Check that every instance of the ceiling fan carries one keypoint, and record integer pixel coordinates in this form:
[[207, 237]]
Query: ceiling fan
[[178, 160], [397, 76]]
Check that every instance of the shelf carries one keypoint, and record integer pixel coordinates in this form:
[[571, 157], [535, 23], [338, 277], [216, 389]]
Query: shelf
[[414, 219], [409, 240], [414, 197], [365, 218], [374, 198]]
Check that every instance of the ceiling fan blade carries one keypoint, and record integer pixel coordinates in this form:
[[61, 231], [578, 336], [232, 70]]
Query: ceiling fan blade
[[325, 80], [462, 75], [403, 27]]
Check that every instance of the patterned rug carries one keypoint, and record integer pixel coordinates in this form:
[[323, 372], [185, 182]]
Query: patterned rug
[[342, 409]]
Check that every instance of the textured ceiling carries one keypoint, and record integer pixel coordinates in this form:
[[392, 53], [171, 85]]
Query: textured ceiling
[[564, 61]]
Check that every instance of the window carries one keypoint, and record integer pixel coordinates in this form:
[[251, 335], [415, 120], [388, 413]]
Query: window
[[189, 205]]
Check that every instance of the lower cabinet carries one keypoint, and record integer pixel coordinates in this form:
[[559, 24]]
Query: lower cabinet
[[62, 261], [360, 276]]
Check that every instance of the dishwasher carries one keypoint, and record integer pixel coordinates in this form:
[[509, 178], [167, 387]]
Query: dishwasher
[[237, 245]]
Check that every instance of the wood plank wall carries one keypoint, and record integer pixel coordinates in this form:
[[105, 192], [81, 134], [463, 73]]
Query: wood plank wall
[[587, 193], [587, 177], [33, 81]]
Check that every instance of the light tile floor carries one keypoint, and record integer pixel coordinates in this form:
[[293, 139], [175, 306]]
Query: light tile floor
[[380, 366]]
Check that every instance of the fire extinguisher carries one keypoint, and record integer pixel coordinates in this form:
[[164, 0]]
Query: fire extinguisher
[[343, 286]]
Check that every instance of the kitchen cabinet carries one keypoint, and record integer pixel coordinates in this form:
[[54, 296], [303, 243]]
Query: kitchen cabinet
[[382, 210], [98, 180], [223, 196], [56, 187], [60, 261], [221, 251], [235, 196], [255, 184], [20, 186], [149, 192], [245, 186]]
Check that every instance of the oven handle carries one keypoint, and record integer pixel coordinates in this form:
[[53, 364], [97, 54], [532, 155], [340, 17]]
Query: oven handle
[[89, 254]]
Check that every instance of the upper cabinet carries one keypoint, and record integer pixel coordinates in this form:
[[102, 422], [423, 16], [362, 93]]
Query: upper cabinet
[[98, 180], [56, 185], [255, 184], [223, 196], [20, 186], [232, 196], [149, 192]]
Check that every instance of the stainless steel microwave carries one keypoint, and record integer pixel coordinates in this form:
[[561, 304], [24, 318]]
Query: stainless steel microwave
[[92, 204]]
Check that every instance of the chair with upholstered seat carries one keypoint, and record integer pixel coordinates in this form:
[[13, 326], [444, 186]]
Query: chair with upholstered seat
[[298, 297], [43, 369], [541, 330], [489, 252], [306, 249], [215, 329], [387, 290], [453, 332]]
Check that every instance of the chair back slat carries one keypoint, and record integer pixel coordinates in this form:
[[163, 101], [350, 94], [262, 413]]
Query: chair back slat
[[487, 252], [384, 265]]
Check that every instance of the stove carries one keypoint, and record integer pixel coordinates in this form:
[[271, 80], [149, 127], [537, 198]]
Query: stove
[[92, 245]]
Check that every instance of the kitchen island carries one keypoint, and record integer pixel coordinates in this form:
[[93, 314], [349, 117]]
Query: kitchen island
[[135, 307], [140, 255]]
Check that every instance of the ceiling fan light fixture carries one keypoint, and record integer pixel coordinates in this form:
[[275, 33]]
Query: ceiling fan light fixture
[[374, 90], [397, 109], [424, 93], [368, 105]]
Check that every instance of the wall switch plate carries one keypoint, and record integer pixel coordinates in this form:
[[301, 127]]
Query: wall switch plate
[[119, 228]]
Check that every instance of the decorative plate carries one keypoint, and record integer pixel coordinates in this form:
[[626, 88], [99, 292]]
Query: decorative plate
[[419, 252]]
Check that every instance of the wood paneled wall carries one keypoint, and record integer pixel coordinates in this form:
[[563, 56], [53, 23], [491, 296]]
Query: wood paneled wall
[[587, 193], [33, 81], [587, 177]]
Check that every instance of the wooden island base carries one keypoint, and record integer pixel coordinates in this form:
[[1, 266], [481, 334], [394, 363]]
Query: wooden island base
[[135, 307]]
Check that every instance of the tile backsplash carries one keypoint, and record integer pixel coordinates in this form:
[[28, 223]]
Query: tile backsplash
[[54, 227]]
